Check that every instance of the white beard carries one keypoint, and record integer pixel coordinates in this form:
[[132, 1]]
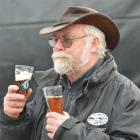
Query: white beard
[[63, 63]]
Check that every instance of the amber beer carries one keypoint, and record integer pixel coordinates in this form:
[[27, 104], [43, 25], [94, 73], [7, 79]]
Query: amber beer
[[55, 104], [23, 87], [54, 98], [23, 75]]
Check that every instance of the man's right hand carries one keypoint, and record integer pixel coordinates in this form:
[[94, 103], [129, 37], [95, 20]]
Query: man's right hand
[[13, 102]]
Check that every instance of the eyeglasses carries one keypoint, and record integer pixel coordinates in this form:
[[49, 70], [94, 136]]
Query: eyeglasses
[[66, 42]]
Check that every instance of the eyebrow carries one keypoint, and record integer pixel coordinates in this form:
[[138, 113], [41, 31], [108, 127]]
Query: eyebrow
[[67, 33]]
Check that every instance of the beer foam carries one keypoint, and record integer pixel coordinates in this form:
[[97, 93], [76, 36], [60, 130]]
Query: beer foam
[[23, 76]]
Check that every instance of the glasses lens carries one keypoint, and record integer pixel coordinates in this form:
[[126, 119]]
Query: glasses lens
[[66, 42], [51, 42]]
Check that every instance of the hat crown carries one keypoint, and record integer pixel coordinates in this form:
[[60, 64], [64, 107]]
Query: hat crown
[[74, 12]]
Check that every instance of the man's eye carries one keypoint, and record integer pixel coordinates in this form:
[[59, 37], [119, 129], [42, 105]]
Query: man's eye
[[55, 39], [66, 40]]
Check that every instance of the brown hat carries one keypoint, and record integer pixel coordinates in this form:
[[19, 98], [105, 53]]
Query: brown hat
[[83, 15]]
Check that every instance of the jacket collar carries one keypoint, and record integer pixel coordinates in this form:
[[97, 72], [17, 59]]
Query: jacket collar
[[105, 71], [101, 76]]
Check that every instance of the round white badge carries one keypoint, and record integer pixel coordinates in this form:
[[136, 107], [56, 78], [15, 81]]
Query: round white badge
[[97, 119]]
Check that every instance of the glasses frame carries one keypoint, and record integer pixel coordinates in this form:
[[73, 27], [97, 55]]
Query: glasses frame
[[66, 42]]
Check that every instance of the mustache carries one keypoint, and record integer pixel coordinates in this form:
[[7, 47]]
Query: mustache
[[60, 55]]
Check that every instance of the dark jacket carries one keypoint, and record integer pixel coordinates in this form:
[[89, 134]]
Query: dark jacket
[[107, 109]]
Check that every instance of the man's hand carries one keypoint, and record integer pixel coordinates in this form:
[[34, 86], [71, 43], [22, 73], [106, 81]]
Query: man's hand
[[13, 102], [54, 120]]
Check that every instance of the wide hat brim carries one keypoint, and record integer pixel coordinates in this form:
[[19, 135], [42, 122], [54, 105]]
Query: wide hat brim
[[104, 23]]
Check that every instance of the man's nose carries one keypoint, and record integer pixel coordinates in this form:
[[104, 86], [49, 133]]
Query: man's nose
[[59, 46]]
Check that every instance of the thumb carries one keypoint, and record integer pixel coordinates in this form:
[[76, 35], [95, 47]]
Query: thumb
[[13, 88], [66, 114]]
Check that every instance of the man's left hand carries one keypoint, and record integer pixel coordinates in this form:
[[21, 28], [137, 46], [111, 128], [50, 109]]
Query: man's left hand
[[54, 120]]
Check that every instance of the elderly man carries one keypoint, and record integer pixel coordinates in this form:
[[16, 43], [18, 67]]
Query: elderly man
[[99, 103]]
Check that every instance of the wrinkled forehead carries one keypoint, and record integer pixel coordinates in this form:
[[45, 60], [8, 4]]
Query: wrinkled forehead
[[75, 29]]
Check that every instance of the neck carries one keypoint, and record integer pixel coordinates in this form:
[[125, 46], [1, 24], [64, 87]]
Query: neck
[[72, 76]]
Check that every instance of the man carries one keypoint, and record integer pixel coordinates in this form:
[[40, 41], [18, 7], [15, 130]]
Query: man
[[99, 103]]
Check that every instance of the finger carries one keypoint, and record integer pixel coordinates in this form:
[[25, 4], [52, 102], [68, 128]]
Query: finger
[[14, 97], [15, 104], [54, 123], [66, 114], [54, 115], [29, 91], [49, 128], [13, 89], [58, 116], [13, 111], [50, 135], [51, 121]]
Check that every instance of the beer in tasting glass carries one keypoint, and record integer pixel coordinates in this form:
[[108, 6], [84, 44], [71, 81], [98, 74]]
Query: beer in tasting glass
[[54, 98], [23, 75]]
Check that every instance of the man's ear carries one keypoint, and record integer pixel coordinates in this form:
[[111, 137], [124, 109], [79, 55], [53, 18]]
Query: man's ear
[[95, 44]]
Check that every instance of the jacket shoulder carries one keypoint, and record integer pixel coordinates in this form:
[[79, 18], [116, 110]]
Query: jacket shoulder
[[126, 91]]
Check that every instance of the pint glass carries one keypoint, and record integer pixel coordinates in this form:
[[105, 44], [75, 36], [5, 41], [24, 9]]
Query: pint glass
[[23, 75], [54, 98]]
